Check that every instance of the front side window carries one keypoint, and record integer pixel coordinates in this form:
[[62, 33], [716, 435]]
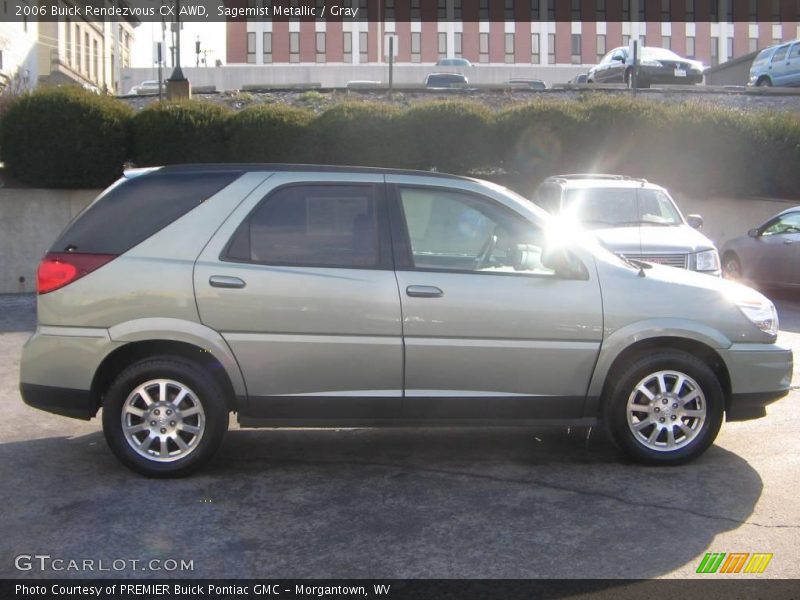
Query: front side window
[[454, 231], [311, 225], [786, 224], [780, 54]]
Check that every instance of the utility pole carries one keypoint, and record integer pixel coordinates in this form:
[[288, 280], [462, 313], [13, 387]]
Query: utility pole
[[197, 51], [178, 86]]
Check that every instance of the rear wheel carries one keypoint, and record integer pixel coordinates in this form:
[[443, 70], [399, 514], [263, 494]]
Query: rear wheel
[[665, 408], [164, 417]]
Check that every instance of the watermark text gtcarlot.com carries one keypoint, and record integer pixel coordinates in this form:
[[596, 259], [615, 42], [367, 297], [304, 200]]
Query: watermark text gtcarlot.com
[[48, 563]]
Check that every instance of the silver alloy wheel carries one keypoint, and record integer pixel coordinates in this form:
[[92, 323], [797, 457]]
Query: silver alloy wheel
[[666, 411], [163, 420], [732, 270]]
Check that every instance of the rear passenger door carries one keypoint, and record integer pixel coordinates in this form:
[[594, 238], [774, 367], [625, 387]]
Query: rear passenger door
[[300, 283]]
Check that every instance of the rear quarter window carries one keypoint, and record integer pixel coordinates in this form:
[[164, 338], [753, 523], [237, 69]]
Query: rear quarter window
[[137, 208]]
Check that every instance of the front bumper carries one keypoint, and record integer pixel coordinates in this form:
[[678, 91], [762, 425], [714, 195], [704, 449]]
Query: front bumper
[[667, 75], [760, 374]]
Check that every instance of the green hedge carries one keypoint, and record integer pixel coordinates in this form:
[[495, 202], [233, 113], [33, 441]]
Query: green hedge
[[359, 133], [65, 137], [68, 138], [270, 133], [189, 131]]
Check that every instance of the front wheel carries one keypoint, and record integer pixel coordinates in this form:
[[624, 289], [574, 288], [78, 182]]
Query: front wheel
[[665, 408], [164, 417], [732, 268]]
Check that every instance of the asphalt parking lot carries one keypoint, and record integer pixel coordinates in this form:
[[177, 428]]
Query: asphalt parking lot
[[497, 503]]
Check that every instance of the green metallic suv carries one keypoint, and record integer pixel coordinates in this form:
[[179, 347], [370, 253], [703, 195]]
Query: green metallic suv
[[354, 297]]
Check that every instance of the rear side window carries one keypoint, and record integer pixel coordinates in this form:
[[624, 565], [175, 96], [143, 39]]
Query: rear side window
[[313, 226], [138, 208]]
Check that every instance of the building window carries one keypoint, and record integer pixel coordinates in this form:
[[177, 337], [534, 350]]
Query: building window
[[363, 9], [442, 10], [268, 47], [626, 40], [363, 46], [729, 11], [535, 57], [714, 51], [626, 10], [483, 47], [601, 47], [458, 41], [96, 61], [68, 36], [690, 11], [457, 10], [752, 12], [388, 10], [294, 46], [690, 47], [551, 48], [347, 46], [776, 11], [666, 42], [483, 10], [551, 10], [509, 46], [576, 10], [536, 14], [78, 48], [666, 10], [576, 48], [86, 51], [251, 47], [600, 7], [321, 47], [252, 4], [509, 10], [416, 47], [752, 44], [729, 47], [415, 10], [442, 45], [642, 13], [715, 11]]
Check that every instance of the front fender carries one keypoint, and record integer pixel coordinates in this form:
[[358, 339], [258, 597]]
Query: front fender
[[178, 330]]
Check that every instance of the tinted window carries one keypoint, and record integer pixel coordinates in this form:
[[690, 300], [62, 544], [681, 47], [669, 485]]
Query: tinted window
[[137, 208], [789, 223], [311, 225], [460, 232], [795, 51]]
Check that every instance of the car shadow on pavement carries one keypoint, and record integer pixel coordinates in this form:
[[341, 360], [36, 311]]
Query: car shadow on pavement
[[416, 503]]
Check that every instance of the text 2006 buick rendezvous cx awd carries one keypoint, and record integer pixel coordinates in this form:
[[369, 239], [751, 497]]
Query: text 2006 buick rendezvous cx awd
[[316, 296]]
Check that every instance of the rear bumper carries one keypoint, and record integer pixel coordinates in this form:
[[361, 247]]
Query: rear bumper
[[760, 374], [61, 401]]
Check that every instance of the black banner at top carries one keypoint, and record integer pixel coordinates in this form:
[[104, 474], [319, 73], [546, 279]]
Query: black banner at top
[[722, 11]]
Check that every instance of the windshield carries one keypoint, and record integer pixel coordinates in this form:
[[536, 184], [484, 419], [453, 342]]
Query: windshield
[[597, 208], [660, 54]]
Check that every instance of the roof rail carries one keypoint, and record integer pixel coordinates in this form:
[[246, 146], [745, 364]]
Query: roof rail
[[590, 176]]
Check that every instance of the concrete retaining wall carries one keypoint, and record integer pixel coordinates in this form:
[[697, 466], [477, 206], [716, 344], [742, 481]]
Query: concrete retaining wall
[[31, 219]]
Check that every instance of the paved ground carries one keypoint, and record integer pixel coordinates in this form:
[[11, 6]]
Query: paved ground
[[403, 503]]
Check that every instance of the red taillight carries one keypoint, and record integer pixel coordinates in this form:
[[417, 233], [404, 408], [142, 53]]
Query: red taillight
[[58, 269]]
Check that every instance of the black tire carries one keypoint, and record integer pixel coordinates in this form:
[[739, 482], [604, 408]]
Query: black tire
[[211, 423], [764, 82], [624, 385]]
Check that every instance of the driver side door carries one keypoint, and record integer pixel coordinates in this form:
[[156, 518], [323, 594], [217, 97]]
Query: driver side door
[[490, 333]]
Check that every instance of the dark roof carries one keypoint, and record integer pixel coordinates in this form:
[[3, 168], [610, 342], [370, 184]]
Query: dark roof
[[243, 167]]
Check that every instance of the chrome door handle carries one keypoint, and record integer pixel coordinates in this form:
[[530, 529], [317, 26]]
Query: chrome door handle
[[424, 291], [223, 281]]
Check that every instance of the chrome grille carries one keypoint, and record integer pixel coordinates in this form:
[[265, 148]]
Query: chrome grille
[[671, 260]]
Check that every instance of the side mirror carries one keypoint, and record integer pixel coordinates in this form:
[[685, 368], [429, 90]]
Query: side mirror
[[753, 233], [564, 264], [695, 221], [618, 58]]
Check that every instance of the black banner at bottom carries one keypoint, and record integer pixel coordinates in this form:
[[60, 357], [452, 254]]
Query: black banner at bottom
[[399, 589]]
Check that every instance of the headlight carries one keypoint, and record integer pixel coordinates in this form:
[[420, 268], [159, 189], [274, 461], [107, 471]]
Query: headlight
[[760, 312], [707, 260]]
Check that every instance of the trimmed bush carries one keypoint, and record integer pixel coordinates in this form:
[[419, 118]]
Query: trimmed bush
[[359, 133], [189, 131], [65, 137], [270, 133], [452, 136]]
